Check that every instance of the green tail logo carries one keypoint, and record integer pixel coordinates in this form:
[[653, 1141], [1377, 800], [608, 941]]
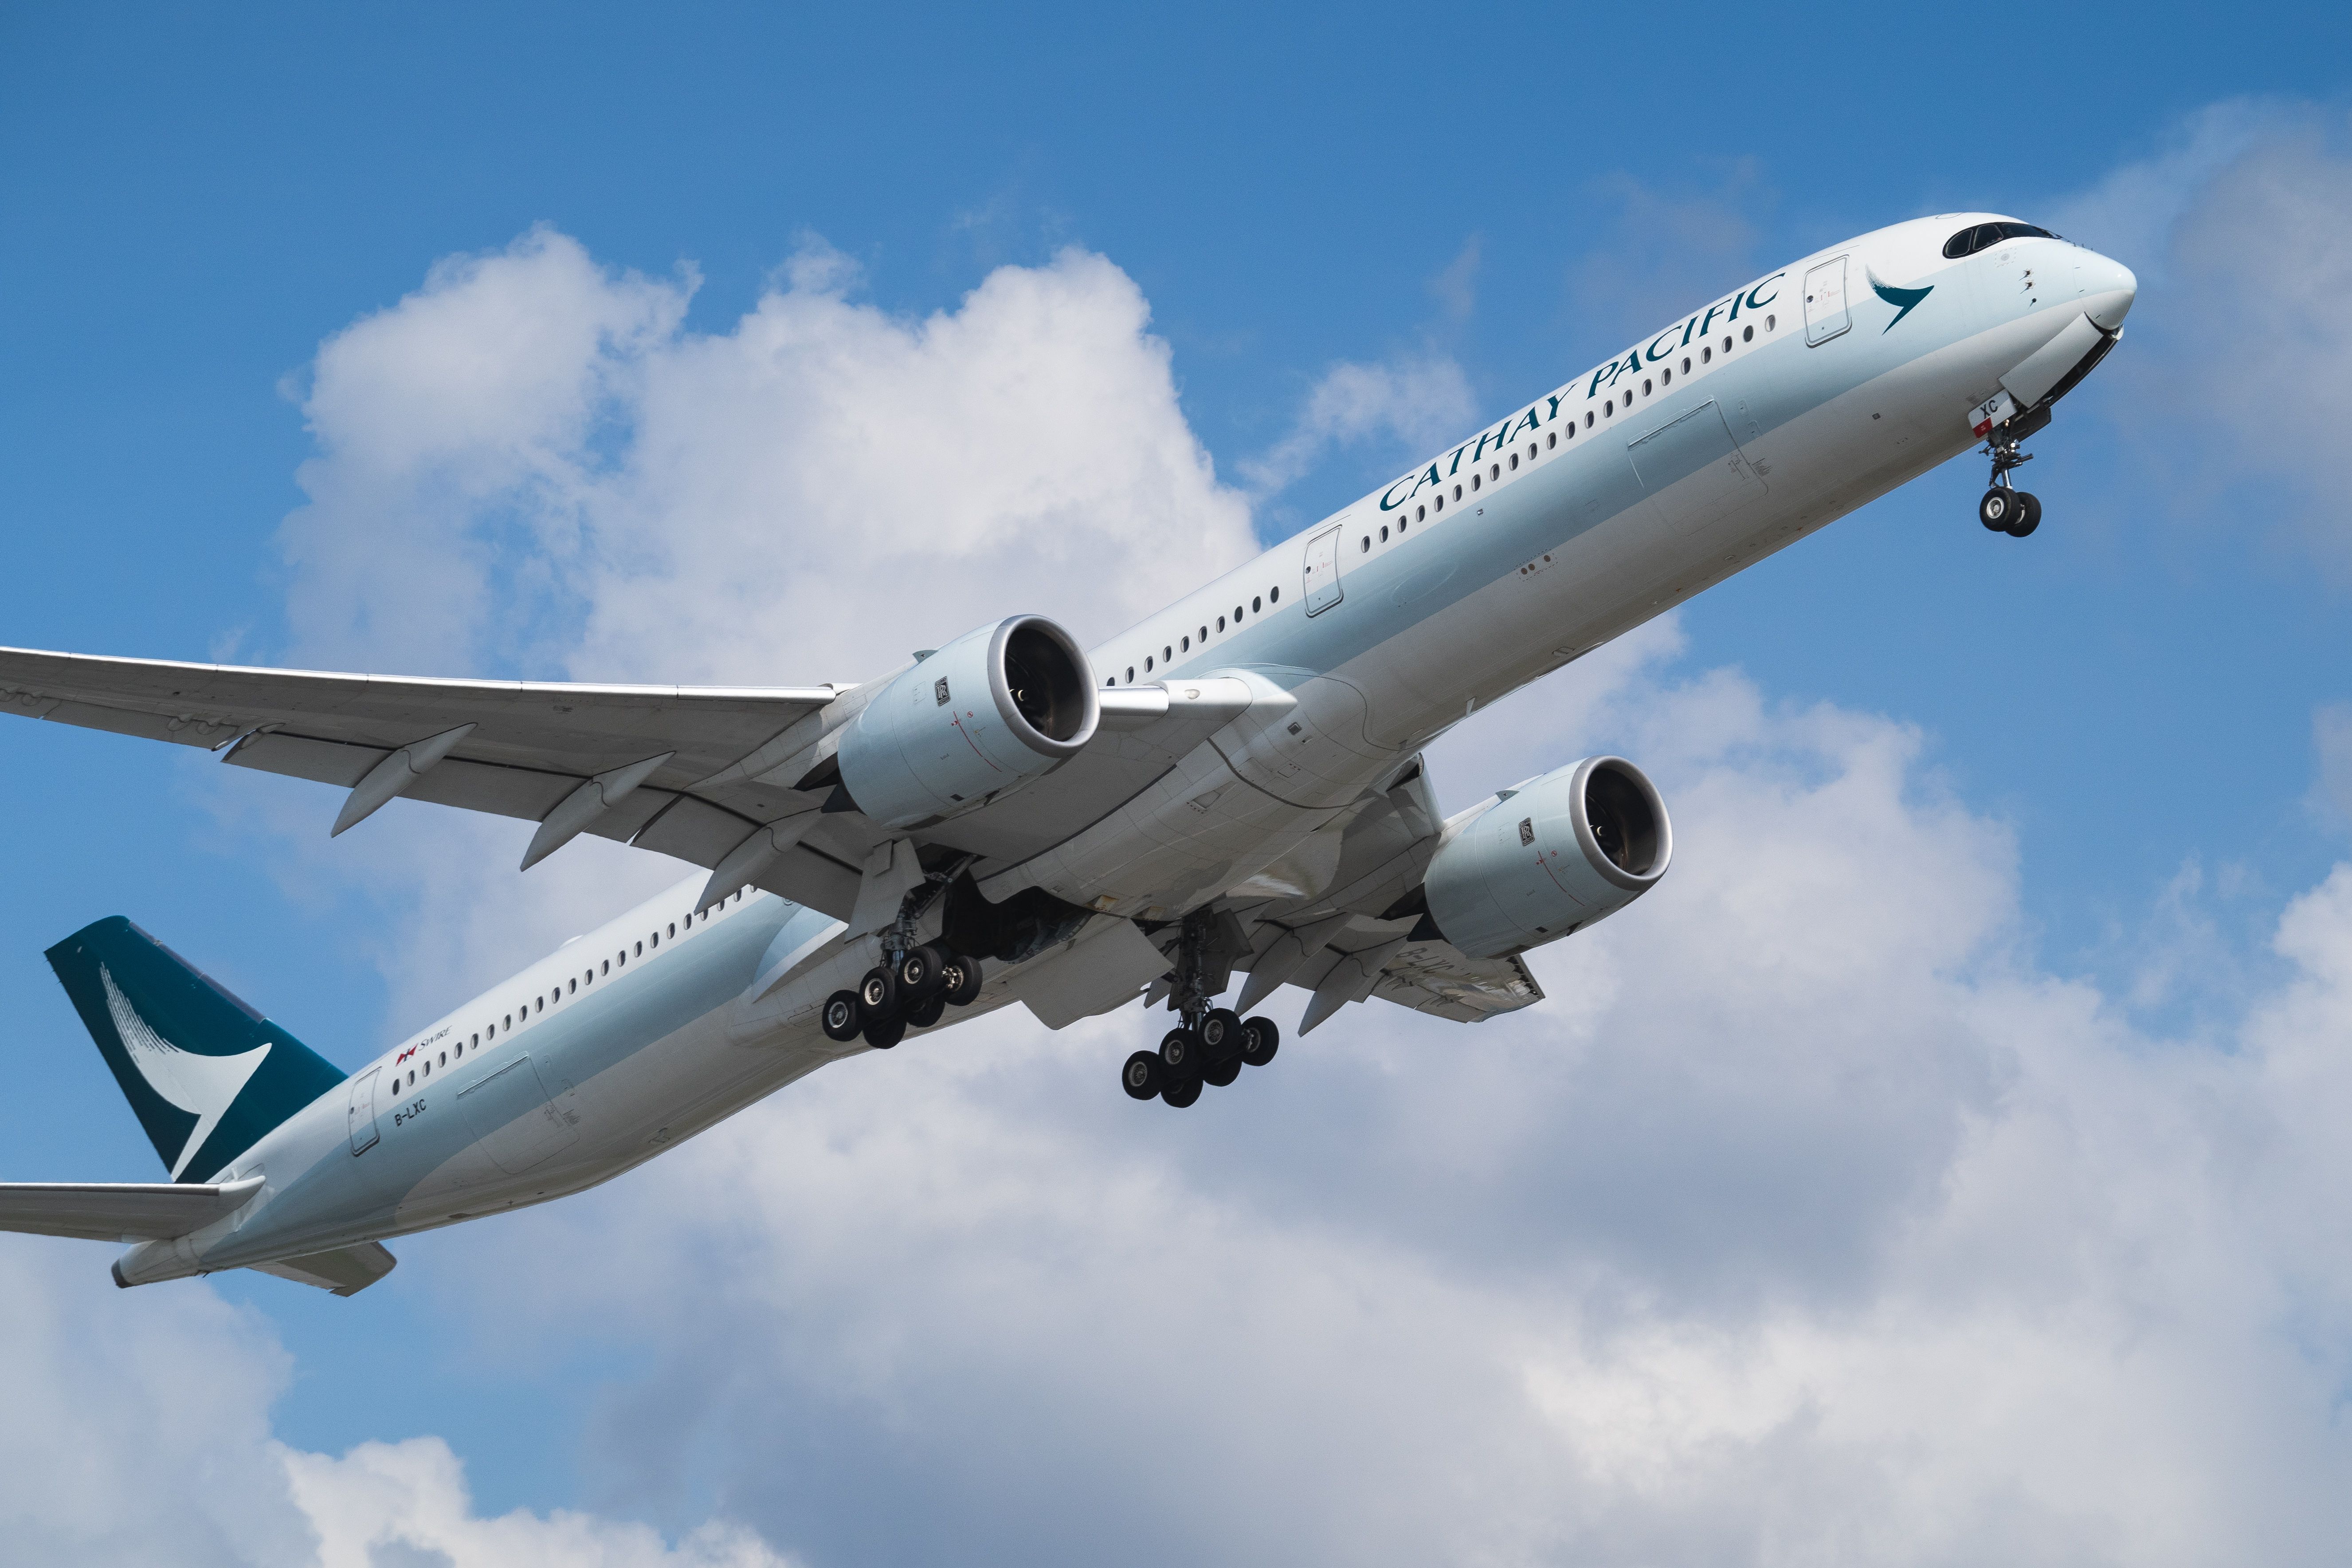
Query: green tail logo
[[1904, 299], [207, 1075]]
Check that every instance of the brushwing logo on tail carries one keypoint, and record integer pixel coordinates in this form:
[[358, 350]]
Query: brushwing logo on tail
[[204, 1087]]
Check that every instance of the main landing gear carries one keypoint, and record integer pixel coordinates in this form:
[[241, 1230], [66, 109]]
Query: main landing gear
[[909, 991], [1211, 1044], [2005, 509]]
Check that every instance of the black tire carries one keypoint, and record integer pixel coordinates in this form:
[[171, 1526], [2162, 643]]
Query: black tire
[[1997, 509], [840, 1019], [1221, 1036], [1221, 1074], [1260, 1040], [1180, 1092], [884, 1033], [1144, 1076], [2029, 515], [877, 992], [1180, 1053], [926, 1012], [921, 971], [961, 979]]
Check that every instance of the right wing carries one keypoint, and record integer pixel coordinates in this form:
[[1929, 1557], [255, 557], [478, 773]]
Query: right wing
[[139, 1210]]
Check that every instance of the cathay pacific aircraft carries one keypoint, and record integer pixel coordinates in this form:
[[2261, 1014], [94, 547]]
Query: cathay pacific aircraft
[[1234, 785]]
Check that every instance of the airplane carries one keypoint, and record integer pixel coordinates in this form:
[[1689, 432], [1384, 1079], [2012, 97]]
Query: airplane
[[1234, 785]]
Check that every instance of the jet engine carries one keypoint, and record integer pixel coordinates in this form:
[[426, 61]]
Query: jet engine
[[1548, 858], [994, 709]]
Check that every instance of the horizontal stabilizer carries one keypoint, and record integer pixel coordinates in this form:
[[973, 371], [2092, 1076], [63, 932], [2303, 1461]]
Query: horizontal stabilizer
[[145, 1211], [346, 1271]]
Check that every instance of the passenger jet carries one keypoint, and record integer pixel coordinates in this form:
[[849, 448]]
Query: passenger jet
[[1234, 785]]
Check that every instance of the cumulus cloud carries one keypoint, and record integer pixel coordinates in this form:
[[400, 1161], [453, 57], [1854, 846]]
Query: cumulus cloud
[[2236, 377], [1411, 404], [1807, 1220], [138, 1432]]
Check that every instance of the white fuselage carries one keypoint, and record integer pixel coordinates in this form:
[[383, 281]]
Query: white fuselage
[[1724, 438]]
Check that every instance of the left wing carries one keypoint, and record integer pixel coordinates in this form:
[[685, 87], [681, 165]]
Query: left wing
[[643, 764]]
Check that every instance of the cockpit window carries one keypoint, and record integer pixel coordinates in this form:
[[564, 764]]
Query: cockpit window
[[1969, 241]]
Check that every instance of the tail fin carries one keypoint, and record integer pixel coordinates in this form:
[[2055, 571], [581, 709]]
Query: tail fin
[[207, 1075]]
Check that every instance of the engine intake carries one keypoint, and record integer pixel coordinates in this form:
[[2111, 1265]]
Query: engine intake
[[1548, 858], [995, 707]]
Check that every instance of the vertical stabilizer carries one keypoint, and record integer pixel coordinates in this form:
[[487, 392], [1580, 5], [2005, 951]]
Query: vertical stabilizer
[[207, 1075]]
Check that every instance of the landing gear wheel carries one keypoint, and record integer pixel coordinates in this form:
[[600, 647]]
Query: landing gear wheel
[[877, 992], [1181, 1092], [920, 970], [1222, 1073], [926, 1012], [1221, 1037], [1144, 1076], [2029, 515], [884, 1033], [1260, 1040], [840, 1019], [1181, 1054], [1998, 508], [960, 981]]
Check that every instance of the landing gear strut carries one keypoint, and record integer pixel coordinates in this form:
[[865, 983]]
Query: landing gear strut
[[2005, 509], [910, 988], [1210, 1045]]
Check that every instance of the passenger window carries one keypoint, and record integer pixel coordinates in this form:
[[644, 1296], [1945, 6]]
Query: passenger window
[[1748, 333], [428, 1069], [1685, 365], [1457, 492], [1771, 321], [1274, 595], [573, 987], [1704, 355], [606, 966], [1552, 439], [1645, 386], [1147, 664], [445, 1057], [1166, 654], [1254, 605], [476, 1040], [1666, 376], [1187, 642], [1130, 671], [1401, 527], [1365, 545], [1515, 459], [672, 930], [1474, 481], [1587, 419], [1384, 534], [1609, 408]]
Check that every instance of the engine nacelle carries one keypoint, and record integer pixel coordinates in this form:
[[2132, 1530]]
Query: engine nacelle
[[991, 710], [1549, 858]]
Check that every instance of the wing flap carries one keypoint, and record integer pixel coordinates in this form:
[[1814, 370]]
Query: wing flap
[[1440, 979], [119, 1211]]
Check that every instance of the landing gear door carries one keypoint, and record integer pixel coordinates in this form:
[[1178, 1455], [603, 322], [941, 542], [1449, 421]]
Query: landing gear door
[[1322, 575], [362, 1114], [1825, 310]]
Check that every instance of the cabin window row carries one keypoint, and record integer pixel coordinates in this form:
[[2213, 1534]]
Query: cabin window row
[[570, 986], [1168, 651]]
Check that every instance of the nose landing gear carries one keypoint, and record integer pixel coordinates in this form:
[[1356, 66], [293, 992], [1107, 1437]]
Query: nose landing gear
[[2005, 509]]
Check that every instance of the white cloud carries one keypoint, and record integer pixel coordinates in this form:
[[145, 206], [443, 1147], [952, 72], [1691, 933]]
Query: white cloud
[[1807, 1221], [138, 1431], [1412, 404], [2234, 371]]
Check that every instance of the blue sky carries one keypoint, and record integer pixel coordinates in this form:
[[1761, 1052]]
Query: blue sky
[[257, 280]]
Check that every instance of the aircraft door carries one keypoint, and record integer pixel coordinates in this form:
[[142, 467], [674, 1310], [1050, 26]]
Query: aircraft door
[[1825, 308], [1322, 575], [361, 1114]]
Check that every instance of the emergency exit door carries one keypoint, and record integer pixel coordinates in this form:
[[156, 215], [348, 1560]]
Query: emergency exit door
[[1321, 579], [1825, 308], [362, 1114]]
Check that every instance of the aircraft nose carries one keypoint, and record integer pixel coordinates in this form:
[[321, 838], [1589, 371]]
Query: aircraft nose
[[2108, 290]]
